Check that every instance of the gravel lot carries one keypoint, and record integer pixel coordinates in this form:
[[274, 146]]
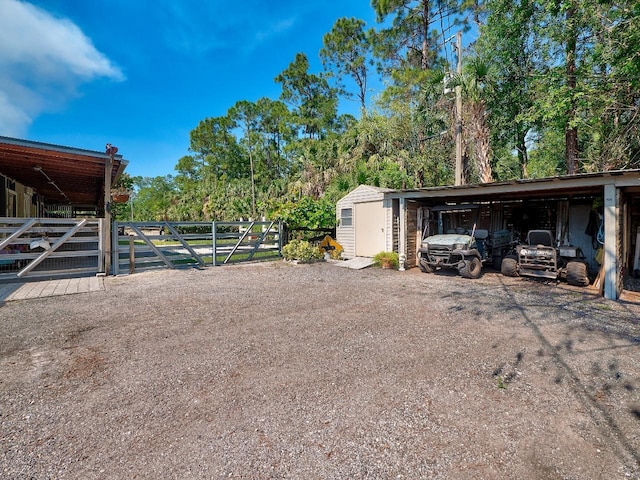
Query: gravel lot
[[318, 372]]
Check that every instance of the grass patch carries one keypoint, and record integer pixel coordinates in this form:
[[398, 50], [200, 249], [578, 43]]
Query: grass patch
[[604, 306]]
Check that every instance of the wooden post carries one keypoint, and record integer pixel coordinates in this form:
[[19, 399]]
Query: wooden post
[[636, 257], [108, 167], [611, 229]]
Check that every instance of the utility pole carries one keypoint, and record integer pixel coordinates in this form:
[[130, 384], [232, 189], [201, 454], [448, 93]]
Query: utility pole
[[459, 174]]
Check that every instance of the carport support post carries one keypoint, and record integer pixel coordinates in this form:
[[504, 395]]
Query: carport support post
[[611, 228], [402, 244]]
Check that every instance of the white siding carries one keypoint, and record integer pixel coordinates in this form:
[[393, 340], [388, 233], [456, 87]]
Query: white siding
[[345, 235], [388, 222]]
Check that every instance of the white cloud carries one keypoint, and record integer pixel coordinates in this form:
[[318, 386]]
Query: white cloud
[[42, 61], [13, 120], [275, 29], [197, 28]]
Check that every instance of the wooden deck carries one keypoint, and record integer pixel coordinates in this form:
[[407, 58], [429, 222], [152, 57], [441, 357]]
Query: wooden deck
[[49, 288]]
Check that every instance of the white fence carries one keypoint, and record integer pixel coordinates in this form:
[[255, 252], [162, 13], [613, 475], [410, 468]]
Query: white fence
[[49, 247], [152, 245], [54, 247]]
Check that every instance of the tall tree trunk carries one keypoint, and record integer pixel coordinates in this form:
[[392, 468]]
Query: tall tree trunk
[[253, 181], [482, 142], [523, 156], [425, 31], [571, 132]]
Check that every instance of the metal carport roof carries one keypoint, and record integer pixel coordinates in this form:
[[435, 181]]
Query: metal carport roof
[[581, 184]]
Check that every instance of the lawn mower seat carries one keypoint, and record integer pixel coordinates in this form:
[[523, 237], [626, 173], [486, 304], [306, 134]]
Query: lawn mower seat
[[540, 237]]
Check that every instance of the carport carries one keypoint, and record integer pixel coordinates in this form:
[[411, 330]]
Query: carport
[[589, 210]]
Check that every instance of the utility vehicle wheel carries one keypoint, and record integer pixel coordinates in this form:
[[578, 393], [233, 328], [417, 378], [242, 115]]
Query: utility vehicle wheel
[[424, 266], [472, 268], [577, 274], [509, 267]]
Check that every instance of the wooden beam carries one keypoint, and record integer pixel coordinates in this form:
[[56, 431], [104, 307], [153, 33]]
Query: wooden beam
[[611, 229]]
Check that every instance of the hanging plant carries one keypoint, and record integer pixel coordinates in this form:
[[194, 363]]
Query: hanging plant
[[121, 190], [119, 197]]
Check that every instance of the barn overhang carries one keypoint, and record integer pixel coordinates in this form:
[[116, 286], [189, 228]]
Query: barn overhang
[[60, 174]]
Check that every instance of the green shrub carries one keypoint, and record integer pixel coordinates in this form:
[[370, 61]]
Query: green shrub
[[306, 213], [301, 251]]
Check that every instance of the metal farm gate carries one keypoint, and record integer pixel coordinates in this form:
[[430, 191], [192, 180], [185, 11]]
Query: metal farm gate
[[48, 247], [139, 246]]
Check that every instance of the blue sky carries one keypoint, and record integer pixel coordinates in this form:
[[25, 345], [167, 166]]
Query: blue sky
[[141, 74]]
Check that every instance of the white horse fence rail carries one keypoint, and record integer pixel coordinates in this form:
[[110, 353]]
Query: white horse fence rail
[[140, 246], [49, 247]]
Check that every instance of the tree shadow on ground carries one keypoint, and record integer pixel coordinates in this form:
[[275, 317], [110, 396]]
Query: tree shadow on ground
[[613, 326]]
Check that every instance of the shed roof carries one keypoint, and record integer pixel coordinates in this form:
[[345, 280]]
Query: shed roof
[[62, 174], [581, 184], [364, 193]]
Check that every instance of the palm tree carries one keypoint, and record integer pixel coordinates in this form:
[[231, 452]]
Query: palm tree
[[476, 84]]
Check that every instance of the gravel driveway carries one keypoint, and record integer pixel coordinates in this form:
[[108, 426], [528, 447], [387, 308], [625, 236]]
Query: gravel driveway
[[317, 372]]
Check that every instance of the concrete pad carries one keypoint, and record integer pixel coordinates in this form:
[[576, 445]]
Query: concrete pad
[[83, 285], [72, 286], [357, 263], [21, 293], [61, 287], [50, 288], [38, 288]]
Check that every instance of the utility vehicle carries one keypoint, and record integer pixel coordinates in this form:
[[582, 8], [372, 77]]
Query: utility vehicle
[[463, 250], [541, 258]]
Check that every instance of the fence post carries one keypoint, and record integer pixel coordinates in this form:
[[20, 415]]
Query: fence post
[[101, 248], [214, 232], [114, 249], [132, 254]]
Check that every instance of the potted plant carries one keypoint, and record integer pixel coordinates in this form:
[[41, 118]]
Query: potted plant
[[121, 190], [387, 260]]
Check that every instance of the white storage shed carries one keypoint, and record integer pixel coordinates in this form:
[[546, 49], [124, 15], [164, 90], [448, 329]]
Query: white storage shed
[[364, 222]]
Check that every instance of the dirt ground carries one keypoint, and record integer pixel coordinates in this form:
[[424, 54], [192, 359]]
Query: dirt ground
[[318, 372]]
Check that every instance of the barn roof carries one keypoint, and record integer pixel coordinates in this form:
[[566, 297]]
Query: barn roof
[[61, 174]]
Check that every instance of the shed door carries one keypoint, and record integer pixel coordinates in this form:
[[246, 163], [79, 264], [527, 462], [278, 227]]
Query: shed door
[[370, 229]]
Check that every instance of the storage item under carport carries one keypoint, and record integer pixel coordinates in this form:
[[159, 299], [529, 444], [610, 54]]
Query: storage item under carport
[[463, 251], [540, 258]]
